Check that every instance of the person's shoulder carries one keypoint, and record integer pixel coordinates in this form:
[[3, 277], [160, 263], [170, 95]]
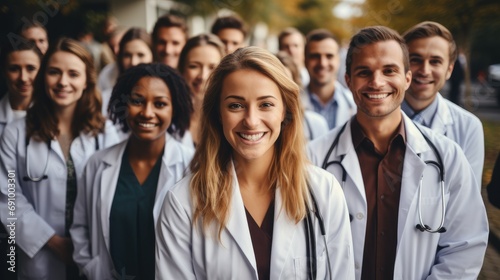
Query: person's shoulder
[[185, 151], [325, 138], [16, 127], [107, 155], [181, 191], [323, 184], [446, 147], [460, 115], [318, 174]]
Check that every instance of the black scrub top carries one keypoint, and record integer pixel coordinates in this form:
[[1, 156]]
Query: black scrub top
[[132, 235]]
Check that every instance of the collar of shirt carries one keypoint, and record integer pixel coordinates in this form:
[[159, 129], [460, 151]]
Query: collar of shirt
[[358, 135], [427, 114]]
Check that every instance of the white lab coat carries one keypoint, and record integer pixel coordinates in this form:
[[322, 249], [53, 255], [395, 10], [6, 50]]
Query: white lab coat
[[40, 207], [183, 251], [465, 129], [456, 254], [314, 125], [6, 113], [90, 229]]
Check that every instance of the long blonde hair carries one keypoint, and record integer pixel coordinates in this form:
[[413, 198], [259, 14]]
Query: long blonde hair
[[212, 179]]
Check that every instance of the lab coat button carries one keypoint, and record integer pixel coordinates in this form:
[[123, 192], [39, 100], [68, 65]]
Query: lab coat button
[[357, 266], [360, 216]]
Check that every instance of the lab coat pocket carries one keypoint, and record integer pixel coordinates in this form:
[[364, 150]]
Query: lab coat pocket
[[93, 269], [431, 208], [301, 266]]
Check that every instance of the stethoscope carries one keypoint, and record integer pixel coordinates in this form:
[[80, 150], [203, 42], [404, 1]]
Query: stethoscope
[[44, 176], [312, 264], [436, 164]]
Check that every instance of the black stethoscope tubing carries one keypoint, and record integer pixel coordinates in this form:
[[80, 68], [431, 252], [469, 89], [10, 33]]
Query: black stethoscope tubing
[[44, 176], [437, 164], [312, 265]]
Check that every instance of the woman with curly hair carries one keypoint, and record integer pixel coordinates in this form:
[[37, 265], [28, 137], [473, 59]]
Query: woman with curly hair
[[113, 232]]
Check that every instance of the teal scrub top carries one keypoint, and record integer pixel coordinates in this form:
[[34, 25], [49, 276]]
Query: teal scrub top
[[132, 234]]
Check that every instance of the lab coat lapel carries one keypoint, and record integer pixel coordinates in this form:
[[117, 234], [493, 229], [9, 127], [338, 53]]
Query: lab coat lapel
[[284, 231], [54, 145], [81, 149], [171, 157], [413, 170], [6, 114], [350, 161], [237, 224], [108, 185], [443, 118]]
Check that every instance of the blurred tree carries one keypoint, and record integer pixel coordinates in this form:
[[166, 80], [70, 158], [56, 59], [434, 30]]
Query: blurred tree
[[277, 14], [463, 18]]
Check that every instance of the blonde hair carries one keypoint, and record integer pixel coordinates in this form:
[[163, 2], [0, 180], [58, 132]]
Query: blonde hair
[[212, 179]]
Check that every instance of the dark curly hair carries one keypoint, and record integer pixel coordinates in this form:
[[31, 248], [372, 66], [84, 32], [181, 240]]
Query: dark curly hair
[[179, 91]]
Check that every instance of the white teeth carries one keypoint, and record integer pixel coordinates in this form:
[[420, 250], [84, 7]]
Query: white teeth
[[422, 81], [147, 125], [252, 137], [378, 96]]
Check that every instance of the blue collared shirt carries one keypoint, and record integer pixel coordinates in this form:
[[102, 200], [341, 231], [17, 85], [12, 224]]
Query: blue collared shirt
[[330, 109], [424, 117]]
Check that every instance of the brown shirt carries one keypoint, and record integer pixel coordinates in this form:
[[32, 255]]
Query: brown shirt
[[382, 173], [262, 241]]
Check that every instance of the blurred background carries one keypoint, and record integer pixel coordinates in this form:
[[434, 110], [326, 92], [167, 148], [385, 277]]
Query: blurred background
[[475, 25]]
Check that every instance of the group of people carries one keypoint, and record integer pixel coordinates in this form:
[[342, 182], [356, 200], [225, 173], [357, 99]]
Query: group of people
[[202, 158]]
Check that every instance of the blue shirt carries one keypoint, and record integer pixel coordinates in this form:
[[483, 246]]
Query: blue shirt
[[424, 117], [330, 110]]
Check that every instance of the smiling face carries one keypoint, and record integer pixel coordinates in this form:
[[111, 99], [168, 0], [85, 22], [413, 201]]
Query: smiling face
[[322, 61], [150, 109], [252, 110], [200, 62], [430, 66], [168, 45], [65, 79], [136, 52], [378, 80], [21, 69]]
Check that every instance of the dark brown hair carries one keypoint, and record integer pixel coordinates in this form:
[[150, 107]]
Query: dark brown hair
[[41, 121], [232, 22], [428, 29], [169, 21], [371, 35]]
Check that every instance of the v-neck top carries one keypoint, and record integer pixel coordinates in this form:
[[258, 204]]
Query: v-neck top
[[131, 223], [262, 240]]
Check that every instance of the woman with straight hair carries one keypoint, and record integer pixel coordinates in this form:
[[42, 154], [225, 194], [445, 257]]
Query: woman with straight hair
[[197, 60], [253, 207], [47, 152], [135, 48], [113, 232], [19, 66]]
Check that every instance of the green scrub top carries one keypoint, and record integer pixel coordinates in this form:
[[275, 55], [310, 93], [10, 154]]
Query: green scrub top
[[132, 235]]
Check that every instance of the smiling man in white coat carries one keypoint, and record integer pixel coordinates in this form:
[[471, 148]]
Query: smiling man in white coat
[[410, 200], [433, 53], [324, 94]]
